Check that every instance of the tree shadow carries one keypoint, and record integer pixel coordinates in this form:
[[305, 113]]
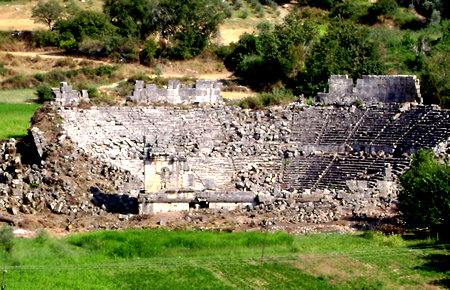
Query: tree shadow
[[114, 203], [387, 225], [437, 263]]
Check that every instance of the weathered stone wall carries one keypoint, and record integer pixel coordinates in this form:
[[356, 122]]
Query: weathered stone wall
[[347, 155], [66, 96], [372, 89], [204, 91]]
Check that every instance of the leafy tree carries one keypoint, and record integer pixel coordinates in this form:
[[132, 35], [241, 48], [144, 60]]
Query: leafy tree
[[383, 8], [187, 25], [323, 4], [47, 12], [345, 49], [348, 9], [277, 53], [427, 7], [89, 31], [134, 18], [425, 198], [86, 23], [147, 55]]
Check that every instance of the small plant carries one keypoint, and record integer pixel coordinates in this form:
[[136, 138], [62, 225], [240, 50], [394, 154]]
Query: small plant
[[358, 103], [244, 13], [44, 93], [158, 70], [41, 237], [310, 101], [7, 238]]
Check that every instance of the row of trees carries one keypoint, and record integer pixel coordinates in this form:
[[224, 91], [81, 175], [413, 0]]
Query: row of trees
[[293, 55]]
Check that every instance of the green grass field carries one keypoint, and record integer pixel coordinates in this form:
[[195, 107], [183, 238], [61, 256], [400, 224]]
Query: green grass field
[[15, 118], [23, 96], [144, 259]]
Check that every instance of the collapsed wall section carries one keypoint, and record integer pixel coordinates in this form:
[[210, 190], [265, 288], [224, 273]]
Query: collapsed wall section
[[204, 91], [372, 89]]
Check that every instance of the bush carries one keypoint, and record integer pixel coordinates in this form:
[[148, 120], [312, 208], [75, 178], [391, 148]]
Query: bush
[[42, 237], [43, 38], [147, 55], [276, 97], [244, 13], [44, 93], [7, 238], [425, 197]]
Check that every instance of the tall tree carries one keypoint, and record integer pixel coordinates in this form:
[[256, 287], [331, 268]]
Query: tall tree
[[47, 12], [345, 49], [425, 198], [134, 18]]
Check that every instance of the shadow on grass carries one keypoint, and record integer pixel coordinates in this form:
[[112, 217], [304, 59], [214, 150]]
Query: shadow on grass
[[114, 203], [388, 225], [437, 263]]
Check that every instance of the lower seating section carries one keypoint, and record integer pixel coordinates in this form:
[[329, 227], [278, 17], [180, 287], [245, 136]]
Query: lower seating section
[[320, 172], [303, 172]]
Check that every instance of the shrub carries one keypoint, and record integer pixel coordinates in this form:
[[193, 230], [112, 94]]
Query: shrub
[[250, 103], [7, 238], [425, 197], [276, 97], [44, 93], [244, 13], [43, 38], [42, 237], [147, 55], [237, 4]]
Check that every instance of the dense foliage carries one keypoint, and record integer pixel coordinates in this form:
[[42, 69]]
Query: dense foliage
[[345, 49], [322, 38], [425, 198], [275, 54]]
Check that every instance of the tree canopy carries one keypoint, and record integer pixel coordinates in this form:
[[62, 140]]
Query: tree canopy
[[425, 198], [346, 48], [47, 12], [275, 54]]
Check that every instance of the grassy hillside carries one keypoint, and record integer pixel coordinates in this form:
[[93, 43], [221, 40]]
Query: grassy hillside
[[143, 259]]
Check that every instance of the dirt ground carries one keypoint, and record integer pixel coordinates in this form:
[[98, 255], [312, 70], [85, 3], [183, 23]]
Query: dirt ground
[[205, 219]]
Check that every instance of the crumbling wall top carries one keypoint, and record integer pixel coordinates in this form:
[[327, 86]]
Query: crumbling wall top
[[372, 89]]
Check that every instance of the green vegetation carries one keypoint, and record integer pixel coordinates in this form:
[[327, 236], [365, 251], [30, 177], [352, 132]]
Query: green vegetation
[[425, 198], [181, 259], [276, 97], [87, 75], [17, 96], [15, 119]]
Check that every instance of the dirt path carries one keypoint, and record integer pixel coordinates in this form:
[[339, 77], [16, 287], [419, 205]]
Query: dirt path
[[51, 55]]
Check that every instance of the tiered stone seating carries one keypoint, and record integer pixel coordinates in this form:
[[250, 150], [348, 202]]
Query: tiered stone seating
[[375, 121], [427, 132], [308, 124], [303, 172], [396, 130], [340, 126]]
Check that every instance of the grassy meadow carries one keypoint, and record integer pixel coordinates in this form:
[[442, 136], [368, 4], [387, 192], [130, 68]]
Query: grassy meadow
[[144, 259], [16, 109]]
